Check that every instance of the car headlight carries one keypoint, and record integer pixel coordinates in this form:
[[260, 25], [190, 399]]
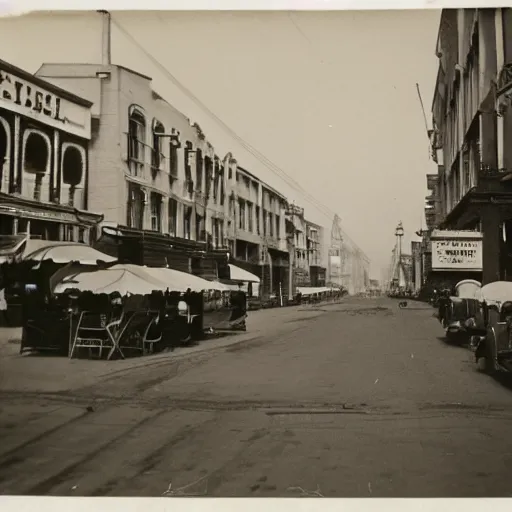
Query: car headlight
[[182, 307]]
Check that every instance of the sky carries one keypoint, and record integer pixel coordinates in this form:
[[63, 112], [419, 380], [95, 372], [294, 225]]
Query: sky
[[328, 97]]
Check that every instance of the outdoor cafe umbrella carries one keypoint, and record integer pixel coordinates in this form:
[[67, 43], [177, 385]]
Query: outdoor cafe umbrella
[[40, 250], [181, 281], [121, 279]]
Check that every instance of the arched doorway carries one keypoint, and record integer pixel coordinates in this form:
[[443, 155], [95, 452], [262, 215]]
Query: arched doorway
[[35, 165], [72, 172]]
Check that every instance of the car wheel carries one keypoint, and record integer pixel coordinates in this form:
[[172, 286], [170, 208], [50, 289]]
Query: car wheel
[[484, 362]]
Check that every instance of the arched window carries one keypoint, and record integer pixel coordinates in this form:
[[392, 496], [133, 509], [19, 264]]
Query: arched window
[[5, 145], [73, 174], [36, 165], [157, 155], [136, 141]]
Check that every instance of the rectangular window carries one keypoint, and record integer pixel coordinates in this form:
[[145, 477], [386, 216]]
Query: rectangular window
[[135, 209], [173, 160], [241, 217], [156, 212], [250, 216], [172, 216], [258, 227], [187, 222]]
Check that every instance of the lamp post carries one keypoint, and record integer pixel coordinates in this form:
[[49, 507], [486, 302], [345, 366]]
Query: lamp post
[[399, 233]]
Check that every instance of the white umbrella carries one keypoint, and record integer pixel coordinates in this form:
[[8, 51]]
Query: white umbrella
[[181, 281], [239, 274], [121, 280], [62, 252]]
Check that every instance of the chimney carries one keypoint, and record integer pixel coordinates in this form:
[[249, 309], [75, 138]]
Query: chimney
[[105, 38]]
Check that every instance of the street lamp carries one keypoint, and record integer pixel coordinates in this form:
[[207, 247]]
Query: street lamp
[[399, 233]]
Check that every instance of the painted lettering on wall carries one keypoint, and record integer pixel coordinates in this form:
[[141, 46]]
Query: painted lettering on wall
[[22, 93]]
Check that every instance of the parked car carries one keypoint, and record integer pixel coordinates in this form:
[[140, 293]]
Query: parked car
[[493, 351], [458, 313]]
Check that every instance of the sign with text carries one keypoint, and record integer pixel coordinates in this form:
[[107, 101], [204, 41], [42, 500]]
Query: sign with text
[[22, 97], [453, 254]]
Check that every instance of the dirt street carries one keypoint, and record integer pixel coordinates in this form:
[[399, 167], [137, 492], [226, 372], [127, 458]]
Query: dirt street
[[359, 399]]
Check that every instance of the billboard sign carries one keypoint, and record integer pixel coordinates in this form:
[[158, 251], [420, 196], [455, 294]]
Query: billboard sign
[[456, 250]]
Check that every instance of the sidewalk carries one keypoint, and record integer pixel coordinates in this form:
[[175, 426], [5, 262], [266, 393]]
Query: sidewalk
[[51, 374]]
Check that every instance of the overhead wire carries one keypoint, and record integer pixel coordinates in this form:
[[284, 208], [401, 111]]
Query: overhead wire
[[258, 155], [294, 184]]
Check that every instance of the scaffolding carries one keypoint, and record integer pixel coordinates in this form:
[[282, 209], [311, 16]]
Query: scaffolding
[[348, 266]]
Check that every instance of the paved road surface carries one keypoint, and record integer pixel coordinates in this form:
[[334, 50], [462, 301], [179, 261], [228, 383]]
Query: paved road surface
[[360, 400]]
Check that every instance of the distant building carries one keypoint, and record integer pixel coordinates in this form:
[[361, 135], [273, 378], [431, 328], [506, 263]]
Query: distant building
[[315, 253], [45, 134], [256, 231]]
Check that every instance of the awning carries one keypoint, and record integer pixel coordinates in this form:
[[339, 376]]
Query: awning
[[307, 290], [64, 252], [182, 281], [122, 279], [136, 280], [239, 274]]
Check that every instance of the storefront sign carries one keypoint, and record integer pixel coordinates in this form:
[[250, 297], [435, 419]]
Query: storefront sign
[[457, 255], [45, 215], [21, 96]]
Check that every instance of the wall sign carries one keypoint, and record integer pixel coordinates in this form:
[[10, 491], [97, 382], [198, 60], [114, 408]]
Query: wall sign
[[456, 254], [45, 215], [29, 100], [32, 98]]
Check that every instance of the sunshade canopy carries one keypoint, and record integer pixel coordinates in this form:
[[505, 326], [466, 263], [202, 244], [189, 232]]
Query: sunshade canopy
[[307, 290], [181, 281], [136, 280], [239, 274], [64, 252], [121, 279]]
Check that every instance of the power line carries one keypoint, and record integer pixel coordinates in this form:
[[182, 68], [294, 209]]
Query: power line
[[257, 154]]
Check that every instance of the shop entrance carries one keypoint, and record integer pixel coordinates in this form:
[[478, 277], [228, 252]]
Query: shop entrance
[[42, 229]]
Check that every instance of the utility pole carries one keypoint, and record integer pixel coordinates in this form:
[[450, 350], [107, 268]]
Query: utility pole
[[291, 213]]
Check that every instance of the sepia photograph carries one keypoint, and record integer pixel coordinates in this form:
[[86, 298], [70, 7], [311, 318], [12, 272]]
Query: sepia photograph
[[256, 254]]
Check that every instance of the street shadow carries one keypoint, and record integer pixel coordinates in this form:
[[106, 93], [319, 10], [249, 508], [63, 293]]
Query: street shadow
[[455, 343], [504, 380]]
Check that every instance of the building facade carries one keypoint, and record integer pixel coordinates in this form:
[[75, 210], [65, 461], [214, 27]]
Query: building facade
[[315, 251], [256, 231], [152, 170], [472, 123], [45, 134]]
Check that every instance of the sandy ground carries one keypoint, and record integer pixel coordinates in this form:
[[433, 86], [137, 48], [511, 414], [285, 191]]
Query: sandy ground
[[354, 400]]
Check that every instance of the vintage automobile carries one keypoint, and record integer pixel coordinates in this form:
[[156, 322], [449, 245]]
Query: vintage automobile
[[458, 313], [493, 351]]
